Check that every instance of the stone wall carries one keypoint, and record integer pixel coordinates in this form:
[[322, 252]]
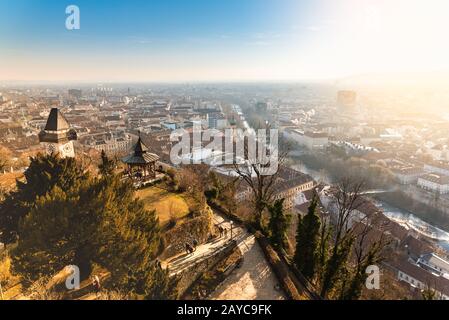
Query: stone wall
[[193, 273], [198, 228]]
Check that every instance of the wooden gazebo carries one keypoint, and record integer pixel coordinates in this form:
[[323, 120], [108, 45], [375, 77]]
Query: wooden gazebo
[[141, 163]]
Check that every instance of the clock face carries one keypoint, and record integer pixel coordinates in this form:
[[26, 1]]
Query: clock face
[[68, 148]]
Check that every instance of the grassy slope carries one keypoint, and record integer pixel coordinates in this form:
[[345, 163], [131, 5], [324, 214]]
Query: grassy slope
[[8, 180], [164, 202]]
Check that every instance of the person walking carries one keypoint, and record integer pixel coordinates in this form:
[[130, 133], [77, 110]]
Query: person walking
[[96, 284]]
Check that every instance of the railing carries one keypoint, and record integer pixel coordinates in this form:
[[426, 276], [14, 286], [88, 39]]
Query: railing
[[308, 287], [201, 258]]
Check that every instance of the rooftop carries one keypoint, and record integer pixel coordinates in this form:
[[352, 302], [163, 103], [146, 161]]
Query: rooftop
[[436, 178], [437, 283], [56, 121], [140, 155]]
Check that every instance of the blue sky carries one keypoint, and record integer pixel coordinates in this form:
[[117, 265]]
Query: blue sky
[[181, 40]]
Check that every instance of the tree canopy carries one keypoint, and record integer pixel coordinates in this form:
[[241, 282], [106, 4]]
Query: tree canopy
[[307, 241], [64, 216]]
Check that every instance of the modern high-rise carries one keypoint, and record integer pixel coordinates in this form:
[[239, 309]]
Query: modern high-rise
[[347, 101]]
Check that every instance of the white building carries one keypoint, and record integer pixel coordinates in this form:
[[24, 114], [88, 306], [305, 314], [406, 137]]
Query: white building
[[434, 182], [354, 148], [288, 186], [421, 279], [111, 143], [435, 264], [310, 140], [407, 175], [438, 152], [217, 121], [437, 167]]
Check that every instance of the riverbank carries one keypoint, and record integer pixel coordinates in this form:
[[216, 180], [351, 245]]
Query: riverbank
[[402, 209], [424, 212], [412, 222], [397, 199]]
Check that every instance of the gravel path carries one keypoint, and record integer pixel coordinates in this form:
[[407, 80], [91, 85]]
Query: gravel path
[[254, 280]]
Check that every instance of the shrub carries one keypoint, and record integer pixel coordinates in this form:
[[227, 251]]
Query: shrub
[[6, 276], [211, 194]]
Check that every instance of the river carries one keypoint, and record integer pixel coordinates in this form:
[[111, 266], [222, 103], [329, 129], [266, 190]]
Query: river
[[403, 217], [410, 221]]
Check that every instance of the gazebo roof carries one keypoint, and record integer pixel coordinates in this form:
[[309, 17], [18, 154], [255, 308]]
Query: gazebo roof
[[140, 147], [140, 155]]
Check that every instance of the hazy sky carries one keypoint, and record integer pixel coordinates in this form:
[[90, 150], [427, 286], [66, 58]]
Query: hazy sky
[[214, 40]]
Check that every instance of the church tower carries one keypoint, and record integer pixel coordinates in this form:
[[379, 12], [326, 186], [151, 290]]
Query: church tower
[[57, 137]]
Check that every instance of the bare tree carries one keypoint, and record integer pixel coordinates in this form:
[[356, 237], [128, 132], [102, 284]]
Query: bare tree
[[347, 200], [357, 240], [430, 292], [368, 245], [263, 186]]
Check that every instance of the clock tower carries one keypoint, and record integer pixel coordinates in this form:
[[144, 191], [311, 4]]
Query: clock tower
[[57, 137]]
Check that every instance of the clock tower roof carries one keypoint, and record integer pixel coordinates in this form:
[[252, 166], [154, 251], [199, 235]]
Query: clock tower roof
[[56, 121], [57, 129]]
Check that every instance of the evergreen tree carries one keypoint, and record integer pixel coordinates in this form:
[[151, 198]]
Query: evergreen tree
[[352, 248], [357, 277], [279, 223], [323, 250], [44, 173], [100, 222], [90, 221], [48, 236], [107, 165], [154, 285], [307, 242], [335, 268], [211, 194], [129, 235]]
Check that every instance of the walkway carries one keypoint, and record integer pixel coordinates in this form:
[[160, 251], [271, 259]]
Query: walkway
[[183, 261], [254, 280]]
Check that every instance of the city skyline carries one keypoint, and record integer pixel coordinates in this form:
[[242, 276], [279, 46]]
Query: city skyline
[[250, 40]]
